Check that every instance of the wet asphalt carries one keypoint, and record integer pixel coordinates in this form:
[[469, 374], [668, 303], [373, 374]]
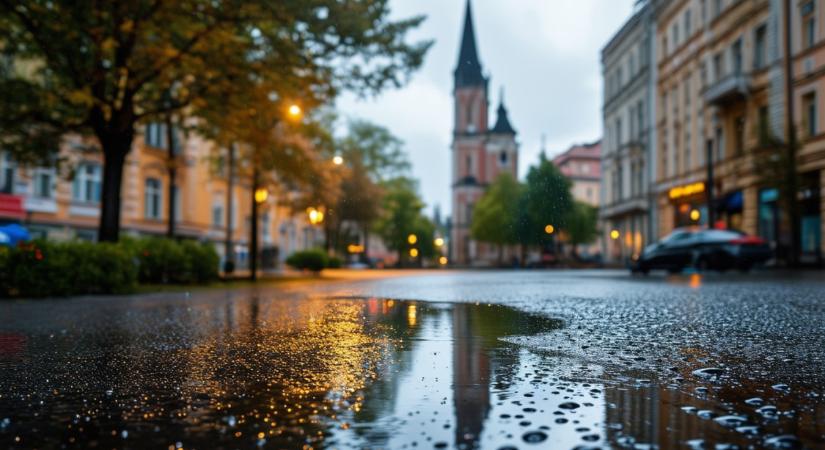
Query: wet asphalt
[[446, 359]]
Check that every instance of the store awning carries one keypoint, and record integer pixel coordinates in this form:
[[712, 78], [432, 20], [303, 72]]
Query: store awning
[[11, 207]]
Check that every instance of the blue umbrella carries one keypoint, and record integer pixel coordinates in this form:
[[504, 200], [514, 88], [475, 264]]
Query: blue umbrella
[[14, 233]]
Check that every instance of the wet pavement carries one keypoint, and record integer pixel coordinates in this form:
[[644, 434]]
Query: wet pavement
[[588, 359]]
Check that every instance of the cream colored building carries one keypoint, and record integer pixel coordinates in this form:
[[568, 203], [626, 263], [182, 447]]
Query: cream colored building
[[721, 91], [66, 205]]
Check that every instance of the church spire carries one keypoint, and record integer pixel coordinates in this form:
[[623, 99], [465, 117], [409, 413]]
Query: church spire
[[468, 69], [502, 122]]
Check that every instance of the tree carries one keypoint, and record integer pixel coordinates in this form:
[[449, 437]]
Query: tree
[[102, 68], [401, 216], [371, 154], [581, 225], [546, 201], [496, 213]]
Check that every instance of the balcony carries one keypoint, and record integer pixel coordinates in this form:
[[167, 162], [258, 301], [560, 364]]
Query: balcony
[[732, 88]]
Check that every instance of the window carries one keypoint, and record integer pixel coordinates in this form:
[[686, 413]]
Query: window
[[152, 198], [619, 140], [266, 226], [740, 135], [809, 109], [807, 10], [217, 214], [155, 135], [704, 11], [688, 24], [718, 67], [6, 173], [43, 184], [178, 201], [717, 7], [640, 119], [736, 56], [503, 158], [676, 40], [469, 165], [86, 185], [703, 75], [764, 125], [760, 56]]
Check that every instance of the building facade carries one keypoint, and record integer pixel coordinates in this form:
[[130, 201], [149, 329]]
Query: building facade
[[581, 164], [479, 153], [65, 205], [628, 212], [721, 117]]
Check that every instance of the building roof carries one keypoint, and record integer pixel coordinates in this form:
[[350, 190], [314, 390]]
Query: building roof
[[589, 154], [502, 125], [468, 70]]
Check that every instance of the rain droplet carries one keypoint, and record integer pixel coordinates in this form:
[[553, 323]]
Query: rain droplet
[[534, 437]]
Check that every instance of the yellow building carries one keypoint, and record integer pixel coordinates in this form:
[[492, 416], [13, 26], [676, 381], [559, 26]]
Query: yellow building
[[721, 98], [66, 205]]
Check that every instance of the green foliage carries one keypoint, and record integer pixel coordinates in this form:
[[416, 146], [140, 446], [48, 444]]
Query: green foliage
[[496, 213], [43, 269], [103, 68], [313, 260], [166, 261], [380, 153], [546, 201], [582, 223], [335, 262], [401, 210]]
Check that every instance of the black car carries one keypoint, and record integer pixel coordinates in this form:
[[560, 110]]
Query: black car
[[703, 249]]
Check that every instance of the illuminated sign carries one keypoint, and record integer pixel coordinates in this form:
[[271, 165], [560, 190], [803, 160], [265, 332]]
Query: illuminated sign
[[686, 190]]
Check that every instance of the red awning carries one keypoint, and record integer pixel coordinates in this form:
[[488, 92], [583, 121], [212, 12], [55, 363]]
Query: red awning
[[11, 207]]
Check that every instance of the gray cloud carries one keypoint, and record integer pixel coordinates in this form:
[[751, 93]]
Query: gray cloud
[[544, 52]]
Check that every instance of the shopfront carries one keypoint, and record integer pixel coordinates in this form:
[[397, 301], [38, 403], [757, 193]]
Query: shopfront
[[728, 208], [810, 220], [689, 205]]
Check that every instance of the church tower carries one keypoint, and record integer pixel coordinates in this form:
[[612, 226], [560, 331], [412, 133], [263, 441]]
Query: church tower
[[479, 154]]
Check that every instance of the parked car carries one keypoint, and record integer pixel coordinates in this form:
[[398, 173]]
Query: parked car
[[703, 249]]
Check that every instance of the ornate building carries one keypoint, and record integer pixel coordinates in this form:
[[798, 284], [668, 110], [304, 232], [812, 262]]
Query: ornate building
[[480, 153]]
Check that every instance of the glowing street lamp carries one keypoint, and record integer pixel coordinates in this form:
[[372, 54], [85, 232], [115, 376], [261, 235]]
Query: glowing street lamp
[[695, 215], [614, 234], [549, 229], [295, 111], [338, 160], [442, 260], [439, 242], [315, 216], [412, 239], [414, 252], [261, 194]]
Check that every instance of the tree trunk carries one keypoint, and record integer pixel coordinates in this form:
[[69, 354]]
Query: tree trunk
[[115, 149], [253, 234], [229, 256], [172, 163]]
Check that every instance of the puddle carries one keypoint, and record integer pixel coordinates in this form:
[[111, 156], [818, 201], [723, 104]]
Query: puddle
[[354, 373]]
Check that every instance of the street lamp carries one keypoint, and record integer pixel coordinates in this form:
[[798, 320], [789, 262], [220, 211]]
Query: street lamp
[[442, 260], [295, 111], [414, 252], [338, 160], [412, 239], [261, 195], [614, 234], [439, 242], [549, 229], [316, 216]]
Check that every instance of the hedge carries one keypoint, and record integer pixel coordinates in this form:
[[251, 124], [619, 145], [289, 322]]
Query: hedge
[[49, 269], [312, 260]]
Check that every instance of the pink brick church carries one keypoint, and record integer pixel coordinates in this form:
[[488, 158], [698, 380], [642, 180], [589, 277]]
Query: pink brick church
[[480, 153]]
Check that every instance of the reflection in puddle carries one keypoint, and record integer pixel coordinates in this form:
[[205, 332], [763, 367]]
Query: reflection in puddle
[[347, 373]]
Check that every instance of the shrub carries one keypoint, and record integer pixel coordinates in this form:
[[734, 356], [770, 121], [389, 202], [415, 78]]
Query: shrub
[[313, 260], [203, 261], [42, 269], [168, 261], [335, 262]]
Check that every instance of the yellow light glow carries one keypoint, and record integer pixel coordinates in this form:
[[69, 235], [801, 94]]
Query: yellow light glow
[[688, 189], [355, 248], [615, 234], [695, 215], [315, 216], [414, 252], [261, 194], [295, 111], [439, 242], [412, 239], [337, 160], [549, 229], [443, 260], [412, 315]]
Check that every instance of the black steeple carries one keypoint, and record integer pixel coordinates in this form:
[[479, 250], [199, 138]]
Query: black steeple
[[468, 69], [502, 122]]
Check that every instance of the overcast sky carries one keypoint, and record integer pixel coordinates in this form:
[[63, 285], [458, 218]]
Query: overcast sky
[[546, 55]]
